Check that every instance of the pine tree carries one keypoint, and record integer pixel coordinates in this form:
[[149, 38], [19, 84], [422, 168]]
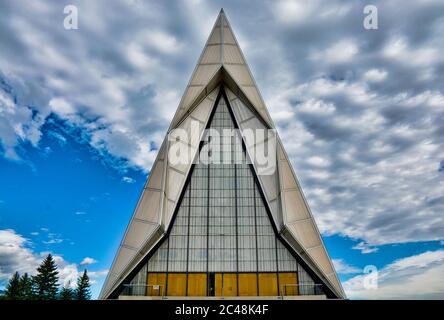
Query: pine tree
[[46, 279], [13, 287], [26, 287], [67, 293], [83, 291]]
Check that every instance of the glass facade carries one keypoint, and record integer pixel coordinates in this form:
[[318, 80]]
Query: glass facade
[[222, 232]]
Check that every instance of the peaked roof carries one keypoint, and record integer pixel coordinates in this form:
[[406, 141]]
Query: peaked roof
[[221, 61], [221, 51]]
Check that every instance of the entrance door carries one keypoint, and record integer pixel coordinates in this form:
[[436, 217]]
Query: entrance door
[[288, 283], [247, 284], [197, 284], [211, 284], [176, 284], [156, 284], [268, 285], [226, 284]]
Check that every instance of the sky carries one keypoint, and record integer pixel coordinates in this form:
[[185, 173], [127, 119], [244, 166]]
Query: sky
[[360, 113]]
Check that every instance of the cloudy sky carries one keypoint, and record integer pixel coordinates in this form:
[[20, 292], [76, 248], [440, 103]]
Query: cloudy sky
[[360, 112]]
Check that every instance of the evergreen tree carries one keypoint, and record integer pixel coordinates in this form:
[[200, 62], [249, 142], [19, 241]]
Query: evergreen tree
[[26, 287], [13, 287], [83, 291], [46, 280], [67, 293]]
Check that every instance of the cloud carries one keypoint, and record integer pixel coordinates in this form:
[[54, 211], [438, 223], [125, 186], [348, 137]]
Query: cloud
[[342, 267], [341, 52], [87, 261], [16, 254], [162, 41], [18, 123], [128, 180], [100, 89], [375, 75], [365, 248], [53, 238], [295, 12], [360, 112], [53, 241], [414, 277], [80, 213], [61, 106]]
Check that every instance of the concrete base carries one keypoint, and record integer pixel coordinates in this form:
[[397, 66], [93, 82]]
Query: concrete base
[[317, 297]]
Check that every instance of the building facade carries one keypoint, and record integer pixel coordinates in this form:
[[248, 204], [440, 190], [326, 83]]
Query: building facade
[[220, 224]]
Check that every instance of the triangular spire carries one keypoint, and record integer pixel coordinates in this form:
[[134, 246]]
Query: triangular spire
[[221, 64], [221, 51], [209, 63]]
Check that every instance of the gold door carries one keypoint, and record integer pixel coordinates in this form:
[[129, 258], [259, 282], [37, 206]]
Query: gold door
[[156, 284], [197, 284], [218, 284], [226, 284], [288, 284], [268, 284], [247, 284], [177, 284]]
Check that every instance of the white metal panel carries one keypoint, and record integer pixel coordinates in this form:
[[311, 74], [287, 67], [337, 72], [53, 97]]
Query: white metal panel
[[230, 95], [253, 95], [225, 21], [155, 178], [228, 36], [275, 211], [175, 181], [183, 131], [148, 208], [190, 95], [320, 256], [253, 123], [294, 206], [287, 180], [254, 131], [270, 185], [161, 154], [169, 210], [281, 153], [232, 54], [202, 112], [306, 233], [242, 112], [111, 278], [240, 74], [138, 232], [124, 256], [335, 281], [184, 158], [202, 76], [213, 95], [214, 36], [211, 54]]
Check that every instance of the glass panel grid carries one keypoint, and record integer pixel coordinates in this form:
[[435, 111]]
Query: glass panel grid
[[222, 224]]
